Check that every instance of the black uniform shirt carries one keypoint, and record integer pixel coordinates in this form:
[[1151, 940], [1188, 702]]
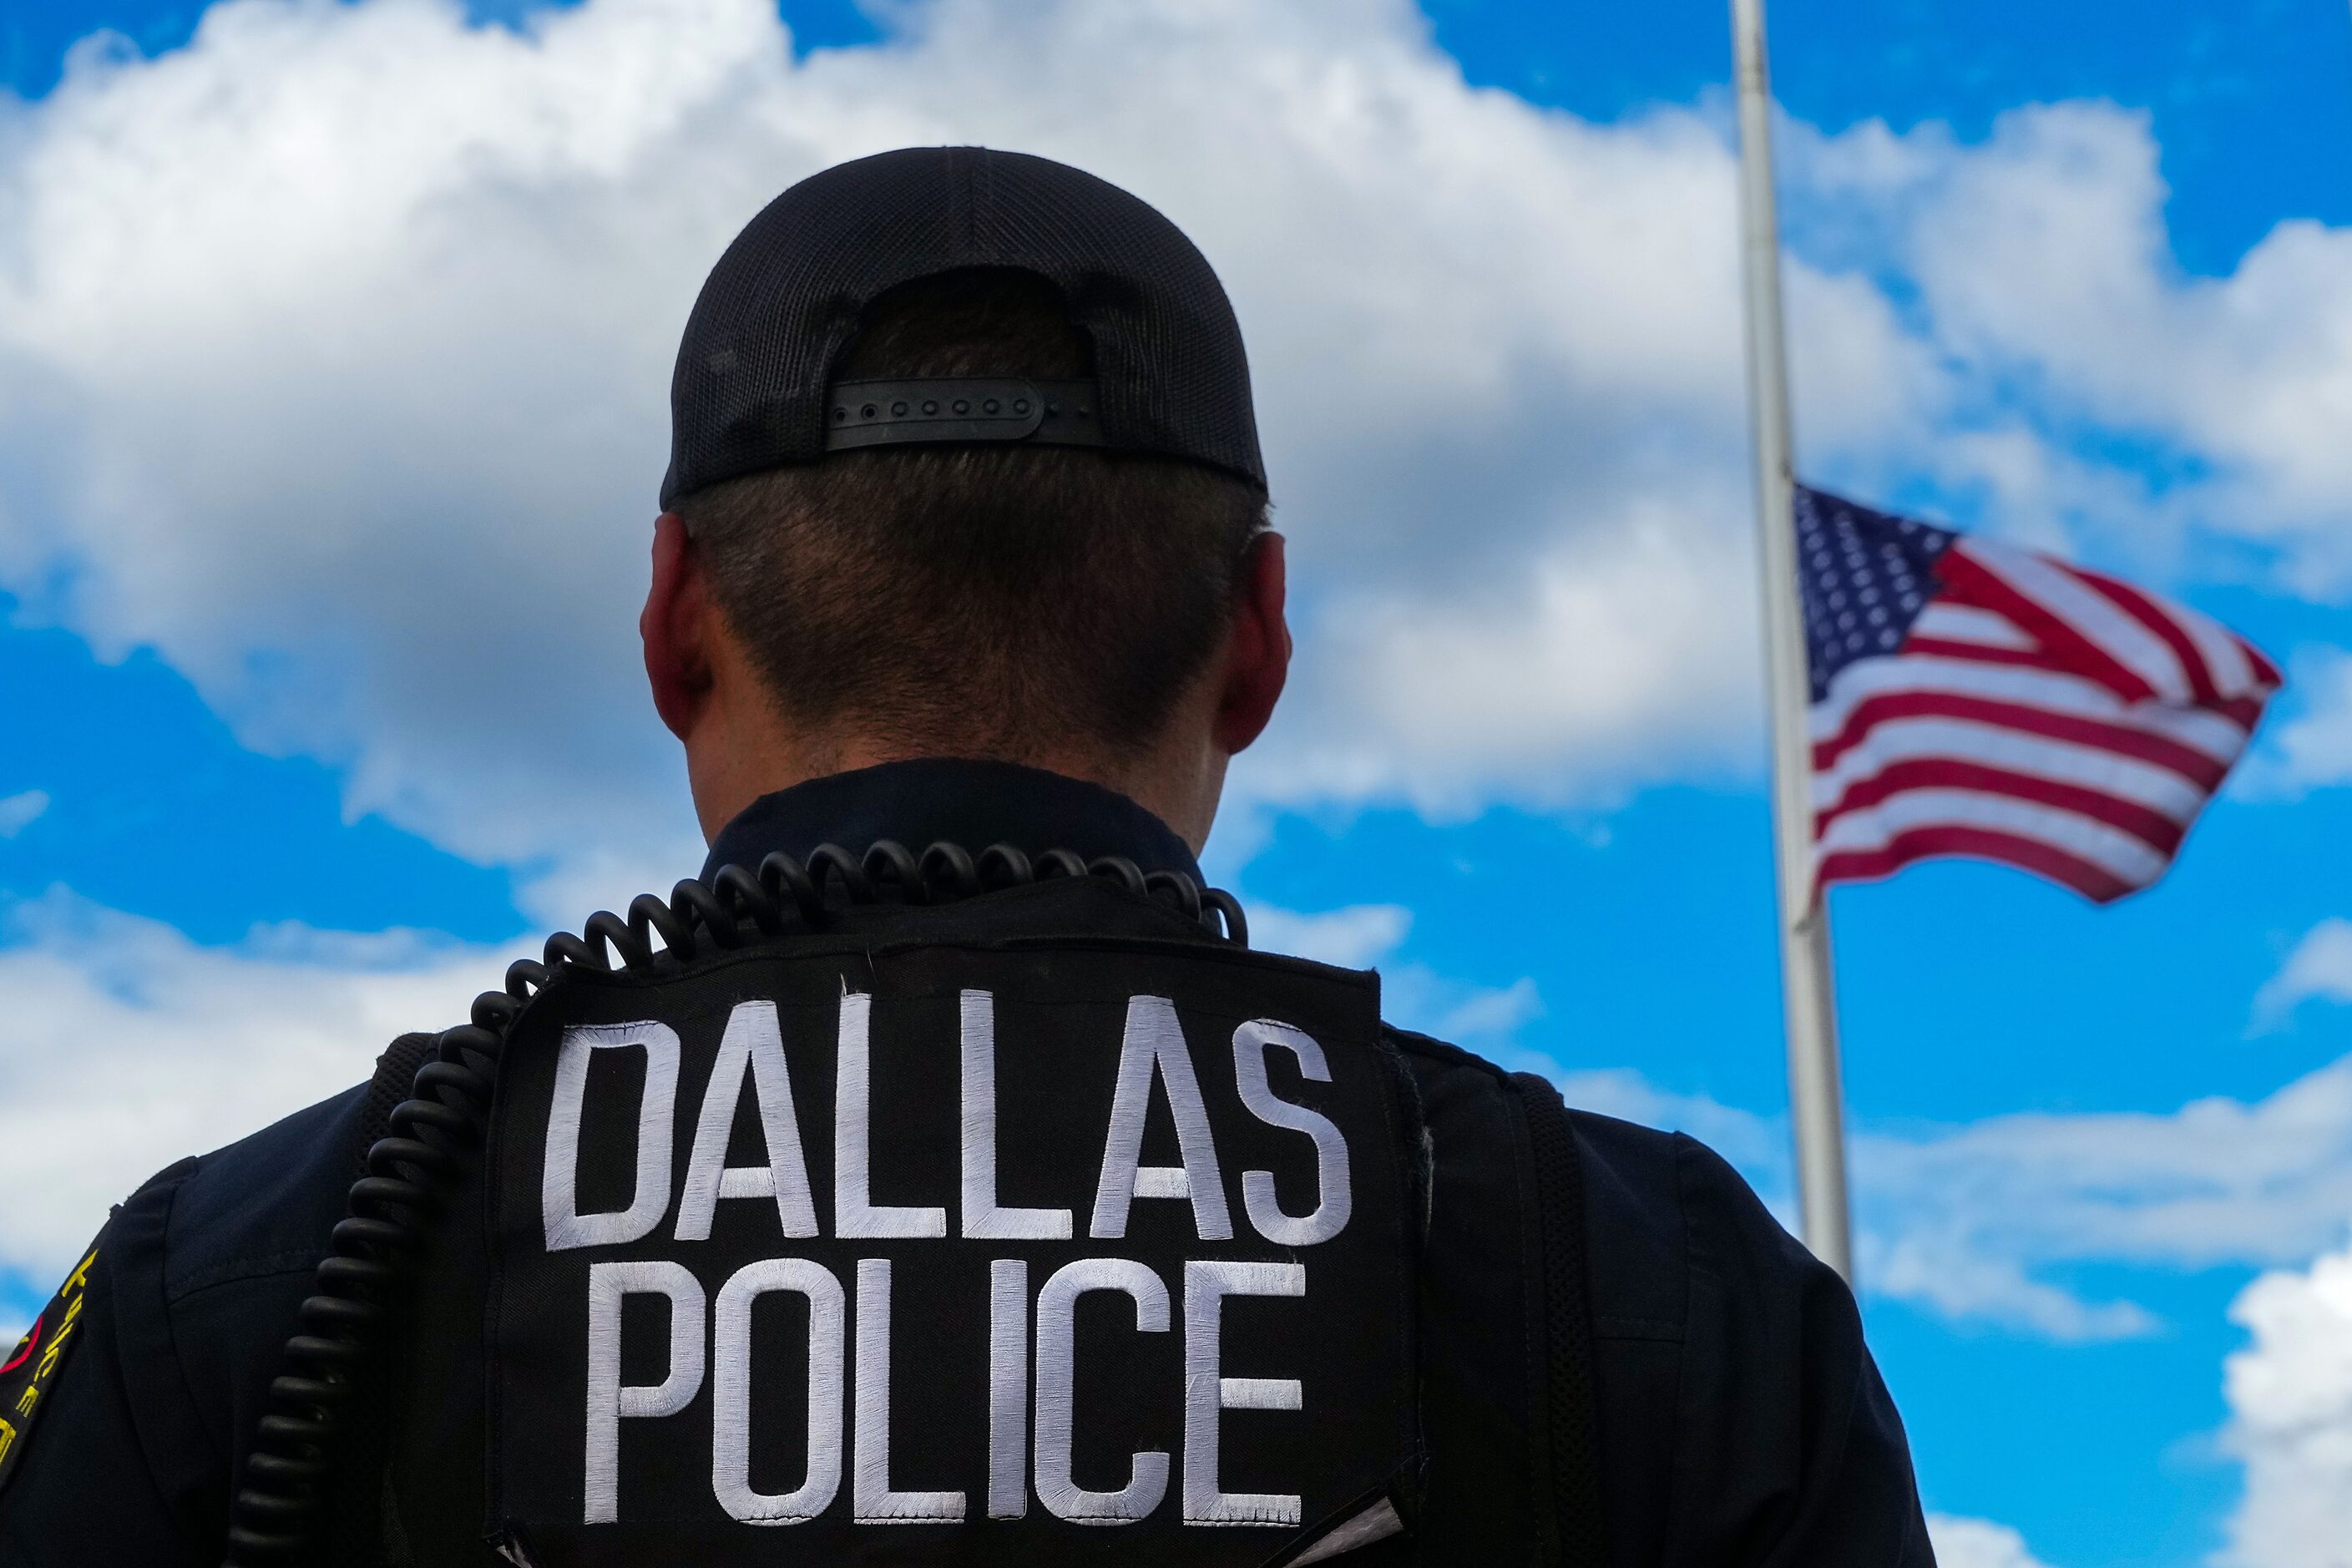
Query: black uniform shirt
[[1742, 1422]]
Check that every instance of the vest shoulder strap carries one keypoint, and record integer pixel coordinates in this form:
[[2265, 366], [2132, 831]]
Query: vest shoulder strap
[[1566, 1427]]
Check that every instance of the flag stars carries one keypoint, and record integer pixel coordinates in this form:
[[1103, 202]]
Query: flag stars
[[1864, 578]]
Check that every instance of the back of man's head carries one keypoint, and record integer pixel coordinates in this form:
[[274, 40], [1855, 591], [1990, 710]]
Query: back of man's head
[[978, 600]]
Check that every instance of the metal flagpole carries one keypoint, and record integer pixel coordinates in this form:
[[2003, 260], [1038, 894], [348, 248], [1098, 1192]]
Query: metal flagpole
[[1808, 990]]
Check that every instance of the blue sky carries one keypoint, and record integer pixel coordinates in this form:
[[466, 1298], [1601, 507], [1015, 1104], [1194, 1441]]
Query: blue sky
[[180, 776]]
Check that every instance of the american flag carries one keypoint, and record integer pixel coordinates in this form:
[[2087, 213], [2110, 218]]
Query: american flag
[[1973, 698]]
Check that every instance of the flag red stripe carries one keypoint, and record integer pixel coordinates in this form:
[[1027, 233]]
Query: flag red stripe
[[2241, 711], [2140, 607], [2151, 827], [2271, 674], [2024, 658], [2245, 712], [1967, 581], [1953, 838], [2199, 769]]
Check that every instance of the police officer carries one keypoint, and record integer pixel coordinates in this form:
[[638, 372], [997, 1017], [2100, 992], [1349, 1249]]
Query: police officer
[[939, 1178]]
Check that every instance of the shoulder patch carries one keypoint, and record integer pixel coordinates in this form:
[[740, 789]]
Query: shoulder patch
[[30, 1370]]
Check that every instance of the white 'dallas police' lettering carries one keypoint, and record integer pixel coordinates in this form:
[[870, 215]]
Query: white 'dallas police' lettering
[[1154, 1045], [753, 1047], [982, 1220], [870, 1494], [558, 1179], [1334, 1198], [1207, 1391], [609, 1399], [854, 1217], [1057, 1315], [731, 1391], [1008, 1388]]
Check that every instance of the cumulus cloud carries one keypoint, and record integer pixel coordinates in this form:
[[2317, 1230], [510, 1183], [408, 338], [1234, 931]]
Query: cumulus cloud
[[2320, 967], [1964, 1282], [1412, 996], [1963, 1217], [1971, 1221], [1967, 1221], [124, 1045], [1977, 1543], [1575, 656], [2290, 1395], [340, 337], [1485, 1018], [2311, 747], [339, 298], [1758, 1145], [332, 351], [20, 811], [2044, 270], [1356, 937]]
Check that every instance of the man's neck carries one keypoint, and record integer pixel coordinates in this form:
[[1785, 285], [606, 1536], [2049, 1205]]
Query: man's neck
[[1179, 791], [963, 801]]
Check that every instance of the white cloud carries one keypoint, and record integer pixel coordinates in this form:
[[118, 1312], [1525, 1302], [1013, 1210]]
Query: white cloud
[[2309, 747], [2290, 1397], [1758, 1145], [1484, 1019], [2043, 269], [2319, 967], [1965, 1214], [1412, 996], [125, 1046], [1552, 678], [1354, 937], [1485, 1014], [421, 283], [1969, 1221], [334, 348], [1965, 1284], [20, 811], [1966, 1221], [1977, 1543]]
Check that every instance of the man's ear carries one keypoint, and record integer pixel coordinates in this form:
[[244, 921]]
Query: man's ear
[[1257, 647], [676, 626]]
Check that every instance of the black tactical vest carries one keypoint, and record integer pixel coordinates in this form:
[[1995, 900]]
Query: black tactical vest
[[936, 1237]]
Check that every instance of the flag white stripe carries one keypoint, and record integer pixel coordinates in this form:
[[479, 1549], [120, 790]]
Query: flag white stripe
[[2113, 851], [1967, 624], [2158, 789], [2225, 660], [2089, 612], [2074, 696]]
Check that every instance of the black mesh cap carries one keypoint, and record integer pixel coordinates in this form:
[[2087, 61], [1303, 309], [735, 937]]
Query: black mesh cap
[[784, 300]]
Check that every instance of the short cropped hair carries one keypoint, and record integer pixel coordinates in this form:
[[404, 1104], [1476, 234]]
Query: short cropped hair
[[978, 600]]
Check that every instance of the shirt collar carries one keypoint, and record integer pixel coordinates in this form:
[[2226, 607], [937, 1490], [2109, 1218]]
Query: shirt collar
[[963, 801]]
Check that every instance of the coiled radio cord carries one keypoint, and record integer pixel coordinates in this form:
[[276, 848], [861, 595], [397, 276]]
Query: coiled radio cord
[[437, 1132]]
